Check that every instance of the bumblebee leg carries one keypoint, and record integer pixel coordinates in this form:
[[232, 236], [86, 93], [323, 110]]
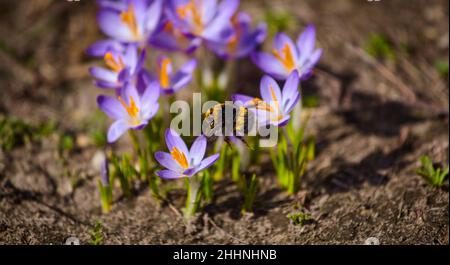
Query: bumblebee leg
[[228, 141], [242, 139]]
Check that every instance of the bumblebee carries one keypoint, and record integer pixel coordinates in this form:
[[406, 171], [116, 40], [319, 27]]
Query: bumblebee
[[228, 120]]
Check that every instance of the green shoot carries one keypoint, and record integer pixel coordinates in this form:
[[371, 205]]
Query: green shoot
[[300, 218], [442, 67], [124, 171], [66, 143], [278, 21], [97, 234], [250, 191], [434, 176], [379, 47], [16, 132]]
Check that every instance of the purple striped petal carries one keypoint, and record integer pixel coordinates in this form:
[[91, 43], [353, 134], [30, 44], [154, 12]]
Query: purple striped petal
[[174, 140], [270, 91], [198, 149], [306, 42], [290, 92], [169, 174], [99, 48], [270, 65], [111, 107], [167, 161], [111, 25], [104, 74], [207, 162], [281, 39], [117, 129]]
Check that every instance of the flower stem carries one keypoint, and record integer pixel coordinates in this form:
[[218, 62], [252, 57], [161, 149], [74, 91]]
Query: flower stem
[[193, 197]]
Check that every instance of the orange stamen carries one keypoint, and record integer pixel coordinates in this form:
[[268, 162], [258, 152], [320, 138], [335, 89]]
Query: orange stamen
[[285, 57], [164, 73], [111, 62], [232, 43], [129, 18], [132, 109], [277, 104], [179, 157], [192, 9]]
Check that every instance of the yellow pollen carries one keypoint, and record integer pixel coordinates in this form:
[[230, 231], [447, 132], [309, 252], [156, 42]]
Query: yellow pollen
[[232, 43], [192, 9], [164, 73], [168, 27], [261, 105], [179, 157], [285, 57], [114, 65], [132, 109], [129, 18]]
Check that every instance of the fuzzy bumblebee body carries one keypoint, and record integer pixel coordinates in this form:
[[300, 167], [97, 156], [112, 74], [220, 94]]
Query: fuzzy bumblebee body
[[227, 119]]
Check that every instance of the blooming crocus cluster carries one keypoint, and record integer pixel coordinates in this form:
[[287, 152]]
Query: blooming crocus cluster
[[136, 30], [288, 56]]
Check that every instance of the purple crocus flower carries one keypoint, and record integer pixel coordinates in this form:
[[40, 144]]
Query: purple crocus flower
[[243, 40], [172, 39], [171, 81], [181, 162], [275, 103], [205, 19], [122, 66], [130, 109], [129, 21], [287, 56]]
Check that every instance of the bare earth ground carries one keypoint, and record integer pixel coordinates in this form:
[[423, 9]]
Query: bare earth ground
[[373, 123]]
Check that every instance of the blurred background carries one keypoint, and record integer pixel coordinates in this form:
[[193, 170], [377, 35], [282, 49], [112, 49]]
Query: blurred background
[[378, 100]]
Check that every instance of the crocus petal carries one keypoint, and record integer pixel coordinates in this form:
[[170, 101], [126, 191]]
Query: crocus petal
[[99, 48], [106, 84], [110, 23], [130, 56], [270, 91], [306, 42], [220, 29], [207, 162], [151, 94], [117, 5], [208, 10], [281, 39], [143, 80], [167, 161], [292, 103], [243, 99], [153, 15], [117, 129], [270, 65], [169, 174], [197, 151], [174, 140], [149, 100], [129, 91], [111, 107], [103, 74], [314, 58], [290, 91], [249, 43], [283, 122]]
